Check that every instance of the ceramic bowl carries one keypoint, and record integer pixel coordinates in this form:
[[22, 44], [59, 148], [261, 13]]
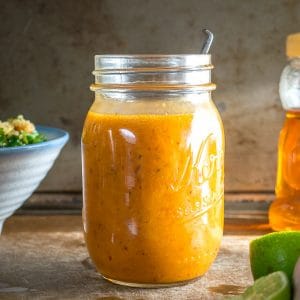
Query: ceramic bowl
[[22, 169]]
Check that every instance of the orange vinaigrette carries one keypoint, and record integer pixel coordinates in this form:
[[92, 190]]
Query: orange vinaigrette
[[149, 215], [153, 170]]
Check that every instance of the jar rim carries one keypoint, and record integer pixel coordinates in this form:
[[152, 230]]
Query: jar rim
[[122, 62], [153, 72], [150, 55]]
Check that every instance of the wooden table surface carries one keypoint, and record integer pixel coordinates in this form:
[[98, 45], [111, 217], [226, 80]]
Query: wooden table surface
[[44, 257]]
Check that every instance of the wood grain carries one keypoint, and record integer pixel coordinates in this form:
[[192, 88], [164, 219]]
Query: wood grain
[[45, 257]]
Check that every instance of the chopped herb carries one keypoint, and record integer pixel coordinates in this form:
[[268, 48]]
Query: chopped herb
[[19, 132]]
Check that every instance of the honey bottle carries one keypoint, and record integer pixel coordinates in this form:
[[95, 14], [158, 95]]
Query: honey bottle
[[284, 212]]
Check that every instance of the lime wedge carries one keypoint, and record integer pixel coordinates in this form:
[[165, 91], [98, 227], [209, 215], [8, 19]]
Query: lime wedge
[[274, 286], [273, 252]]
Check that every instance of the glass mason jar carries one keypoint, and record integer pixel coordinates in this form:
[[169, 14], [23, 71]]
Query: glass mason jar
[[153, 169]]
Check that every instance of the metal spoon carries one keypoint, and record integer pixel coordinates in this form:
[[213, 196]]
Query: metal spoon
[[207, 42]]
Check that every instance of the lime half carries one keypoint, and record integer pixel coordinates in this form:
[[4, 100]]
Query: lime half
[[274, 286], [273, 252]]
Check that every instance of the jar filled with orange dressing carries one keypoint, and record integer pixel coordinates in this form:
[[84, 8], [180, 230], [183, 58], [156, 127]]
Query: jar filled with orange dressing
[[153, 175], [284, 213]]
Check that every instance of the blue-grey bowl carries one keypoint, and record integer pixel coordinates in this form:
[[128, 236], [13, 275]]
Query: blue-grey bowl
[[22, 169]]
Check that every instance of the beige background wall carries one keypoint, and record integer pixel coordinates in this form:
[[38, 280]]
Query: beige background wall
[[46, 59]]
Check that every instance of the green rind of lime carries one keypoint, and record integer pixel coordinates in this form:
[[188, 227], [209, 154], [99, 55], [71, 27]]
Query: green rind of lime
[[274, 286], [273, 252]]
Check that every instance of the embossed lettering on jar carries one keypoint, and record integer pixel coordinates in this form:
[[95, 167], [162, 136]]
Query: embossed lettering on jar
[[153, 156]]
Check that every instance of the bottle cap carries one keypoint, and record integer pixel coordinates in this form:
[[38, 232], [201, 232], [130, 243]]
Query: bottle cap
[[293, 45]]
